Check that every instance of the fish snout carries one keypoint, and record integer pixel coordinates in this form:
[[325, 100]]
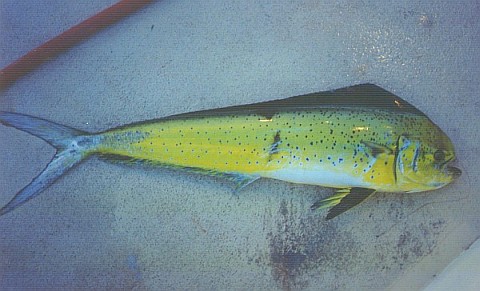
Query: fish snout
[[454, 172]]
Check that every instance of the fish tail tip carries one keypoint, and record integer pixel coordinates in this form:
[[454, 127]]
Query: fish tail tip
[[6, 209], [58, 136]]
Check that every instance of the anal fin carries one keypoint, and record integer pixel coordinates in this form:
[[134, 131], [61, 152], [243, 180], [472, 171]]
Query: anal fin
[[343, 200], [241, 181]]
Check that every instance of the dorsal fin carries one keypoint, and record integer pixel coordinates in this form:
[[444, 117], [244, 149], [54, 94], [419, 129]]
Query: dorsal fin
[[358, 96], [364, 95]]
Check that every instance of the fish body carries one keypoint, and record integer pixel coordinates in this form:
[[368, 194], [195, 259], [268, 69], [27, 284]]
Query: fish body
[[359, 139]]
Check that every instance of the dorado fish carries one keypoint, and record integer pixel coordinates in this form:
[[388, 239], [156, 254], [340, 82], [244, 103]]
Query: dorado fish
[[358, 140]]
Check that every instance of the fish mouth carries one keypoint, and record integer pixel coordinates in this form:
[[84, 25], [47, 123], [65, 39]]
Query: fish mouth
[[454, 172]]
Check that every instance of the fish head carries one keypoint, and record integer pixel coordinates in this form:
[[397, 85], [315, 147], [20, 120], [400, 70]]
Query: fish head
[[423, 164]]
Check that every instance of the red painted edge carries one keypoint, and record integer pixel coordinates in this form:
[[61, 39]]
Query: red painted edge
[[67, 40]]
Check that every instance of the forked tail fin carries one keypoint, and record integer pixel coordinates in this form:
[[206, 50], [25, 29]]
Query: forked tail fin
[[72, 147]]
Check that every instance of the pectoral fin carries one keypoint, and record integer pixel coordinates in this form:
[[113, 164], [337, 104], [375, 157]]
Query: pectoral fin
[[342, 200], [376, 149]]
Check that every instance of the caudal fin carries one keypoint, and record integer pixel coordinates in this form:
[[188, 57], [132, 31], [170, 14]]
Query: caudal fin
[[72, 147]]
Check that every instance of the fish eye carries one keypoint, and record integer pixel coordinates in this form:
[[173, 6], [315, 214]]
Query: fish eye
[[439, 155]]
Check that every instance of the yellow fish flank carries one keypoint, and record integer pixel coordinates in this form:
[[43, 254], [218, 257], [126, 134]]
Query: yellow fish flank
[[359, 139]]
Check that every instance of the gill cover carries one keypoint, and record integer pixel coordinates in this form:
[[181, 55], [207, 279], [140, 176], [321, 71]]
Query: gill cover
[[422, 166]]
